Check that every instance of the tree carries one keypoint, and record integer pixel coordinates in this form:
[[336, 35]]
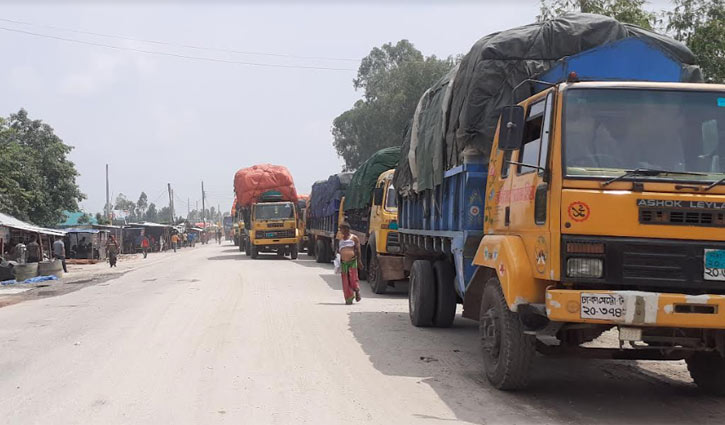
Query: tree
[[102, 219], [151, 214], [629, 11], [701, 25], [392, 77], [124, 204], [164, 215], [141, 205], [84, 219], [37, 181]]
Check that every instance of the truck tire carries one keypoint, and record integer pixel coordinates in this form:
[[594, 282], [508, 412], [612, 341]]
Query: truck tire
[[707, 369], [375, 275], [240, 245], [311, 247], [294, 252], [247, 247], [507, 352], [446, 300], [320, 251], [255, 250], [421, 296]]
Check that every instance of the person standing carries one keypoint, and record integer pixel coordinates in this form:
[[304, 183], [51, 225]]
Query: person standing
[[175, 241], [112, 249], [59, 252], [34, 254], [349, 249], [145, 245]]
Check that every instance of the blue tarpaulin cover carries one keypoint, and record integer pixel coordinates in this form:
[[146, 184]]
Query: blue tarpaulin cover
[[326, 195]]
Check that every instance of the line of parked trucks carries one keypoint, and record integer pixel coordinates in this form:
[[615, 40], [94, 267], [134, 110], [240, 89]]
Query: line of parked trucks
[[556, 199]]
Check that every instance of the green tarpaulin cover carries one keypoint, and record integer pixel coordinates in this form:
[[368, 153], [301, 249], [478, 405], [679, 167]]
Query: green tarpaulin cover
[[359, 191]]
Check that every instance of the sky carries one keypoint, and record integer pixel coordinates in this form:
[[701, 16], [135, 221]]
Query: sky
[[160, 118]]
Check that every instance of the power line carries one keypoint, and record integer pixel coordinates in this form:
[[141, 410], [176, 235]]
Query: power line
[[174, 55], [186, 46]]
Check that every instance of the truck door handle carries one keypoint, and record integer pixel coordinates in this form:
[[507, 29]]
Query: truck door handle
[[507, 216]]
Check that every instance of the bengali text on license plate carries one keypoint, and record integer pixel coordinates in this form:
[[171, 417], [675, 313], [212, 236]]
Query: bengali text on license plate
[[602, 306], [714, 264]]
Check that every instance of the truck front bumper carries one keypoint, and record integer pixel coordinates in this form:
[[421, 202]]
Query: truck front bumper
[[637, 308], [275, 242]]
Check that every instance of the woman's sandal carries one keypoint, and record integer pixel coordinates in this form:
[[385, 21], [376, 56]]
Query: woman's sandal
[[357, 296]]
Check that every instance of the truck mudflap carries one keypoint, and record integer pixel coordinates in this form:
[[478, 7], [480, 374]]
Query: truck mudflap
[[392, 266], [636, 308]]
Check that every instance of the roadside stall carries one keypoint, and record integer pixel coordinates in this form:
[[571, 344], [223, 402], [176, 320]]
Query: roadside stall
[[14, 232], [86, 244], [158, 235]]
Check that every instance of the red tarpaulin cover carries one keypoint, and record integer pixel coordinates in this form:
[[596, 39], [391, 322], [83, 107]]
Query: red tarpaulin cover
[[250, 183]]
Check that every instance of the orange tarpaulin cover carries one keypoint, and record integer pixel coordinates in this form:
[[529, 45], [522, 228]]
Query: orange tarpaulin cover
[[250, 183], [234, 207]]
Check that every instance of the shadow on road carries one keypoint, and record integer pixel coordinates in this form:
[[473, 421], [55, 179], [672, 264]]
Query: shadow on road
[[562, 390]]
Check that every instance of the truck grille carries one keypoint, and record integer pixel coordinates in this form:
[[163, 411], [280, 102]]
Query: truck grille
[[681, 217], [270, 225], [393, 239], [276, 234], [667, 265]]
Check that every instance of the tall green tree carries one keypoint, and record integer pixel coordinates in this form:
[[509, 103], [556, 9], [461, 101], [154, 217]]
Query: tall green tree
[[37, 181], [392, 78], [124, 204], [141, 205], [151, 214], [701, 25], [629, 11]]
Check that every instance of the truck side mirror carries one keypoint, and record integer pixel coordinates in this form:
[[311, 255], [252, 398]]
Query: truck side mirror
[[378, 196], [511, 132]]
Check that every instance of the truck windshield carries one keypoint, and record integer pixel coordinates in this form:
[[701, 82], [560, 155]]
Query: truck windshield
[[273, 211], [391, 200], [609, 131]]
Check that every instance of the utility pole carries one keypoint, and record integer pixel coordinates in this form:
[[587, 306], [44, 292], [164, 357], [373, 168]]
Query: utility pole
[[171, 203], [188, 208], [173, 208], [108, 200], [219, 212], [203, 218]]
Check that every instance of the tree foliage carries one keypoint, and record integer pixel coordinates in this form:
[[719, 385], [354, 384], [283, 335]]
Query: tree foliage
[[392, 78], [629, 11], [37, 181], [151, 214], [142, 204], [701, 25]]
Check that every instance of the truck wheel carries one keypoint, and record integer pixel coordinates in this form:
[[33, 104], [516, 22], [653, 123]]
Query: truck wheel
[[375, 275], [507, 352], [247, 247], [255, 250], [421, 296], [329, 253], [311, 247], [294, 252], [320, 251], [446, 300], [241, 246], [708, 371]]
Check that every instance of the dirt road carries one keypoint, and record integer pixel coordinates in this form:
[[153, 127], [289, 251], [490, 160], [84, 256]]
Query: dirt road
[[211, 336]]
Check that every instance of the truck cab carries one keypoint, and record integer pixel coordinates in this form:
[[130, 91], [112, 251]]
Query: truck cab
[[380, 245], [273, 228], [605, 209]]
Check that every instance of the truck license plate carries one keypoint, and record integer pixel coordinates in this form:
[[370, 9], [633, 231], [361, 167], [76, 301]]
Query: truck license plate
[[714, 264], [602, 306]]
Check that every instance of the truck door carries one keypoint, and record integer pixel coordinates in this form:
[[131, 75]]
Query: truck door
[[529, 194]]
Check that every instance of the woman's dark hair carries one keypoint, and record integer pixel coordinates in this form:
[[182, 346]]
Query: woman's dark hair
[[345, 224]]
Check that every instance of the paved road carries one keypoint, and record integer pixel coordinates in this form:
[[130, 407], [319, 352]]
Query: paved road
[[211, 336]]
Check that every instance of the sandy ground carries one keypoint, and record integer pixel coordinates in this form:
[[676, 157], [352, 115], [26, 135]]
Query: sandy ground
[[211, 336]]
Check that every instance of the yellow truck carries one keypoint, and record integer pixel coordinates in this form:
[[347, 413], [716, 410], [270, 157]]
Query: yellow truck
[[273, 227], [600, 209], [370, 206]]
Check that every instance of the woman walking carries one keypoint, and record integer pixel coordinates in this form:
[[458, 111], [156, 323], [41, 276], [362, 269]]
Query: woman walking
[[112, 249], [349, 249]]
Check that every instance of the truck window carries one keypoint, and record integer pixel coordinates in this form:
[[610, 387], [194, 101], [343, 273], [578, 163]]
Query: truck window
[[529, 153], [273, 211], [391, 200]]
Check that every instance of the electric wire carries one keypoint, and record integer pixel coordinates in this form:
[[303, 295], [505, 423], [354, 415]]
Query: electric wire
[[174, 55]]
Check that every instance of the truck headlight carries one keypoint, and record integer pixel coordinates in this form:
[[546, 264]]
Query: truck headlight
[[591, 268]]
